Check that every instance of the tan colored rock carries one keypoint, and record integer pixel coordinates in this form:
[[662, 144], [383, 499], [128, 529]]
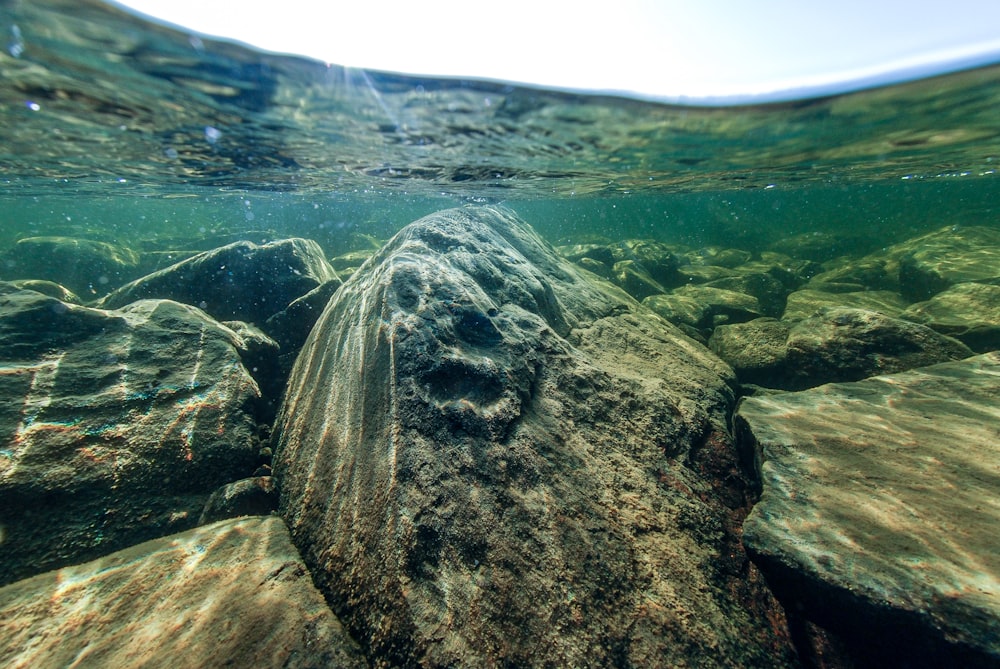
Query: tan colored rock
[[231, 594]]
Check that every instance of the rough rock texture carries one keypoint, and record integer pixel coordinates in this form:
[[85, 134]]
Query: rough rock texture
[[255, 496], [769, 292], [726, 306], [969, 312], [114, 427], [838, 344], [230, 594], [879, 514], [934, 262], [88, 268], [241, 281], [807, 302], [489, 459]]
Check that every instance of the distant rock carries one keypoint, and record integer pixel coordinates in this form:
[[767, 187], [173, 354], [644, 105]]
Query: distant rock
[[821, 246], [680, 309], [633, 278], [934, 262], [871, 273], [255, 496], [49, 288], [698, 274], [878, 515], [490, 459], [723, 306], [656, 258], [117, 425], [242, 281], [292, 325], [721, 257], [969, 312], [769, 292], [88, 268], [839, 344], [807, 302], [234, 593]]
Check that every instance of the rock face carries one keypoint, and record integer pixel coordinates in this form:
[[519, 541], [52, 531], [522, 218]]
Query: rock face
[[88, 268], [969, 312], [241, 281], [878, 516], [935, 262], [839, 344], [488, 459], [230, 594], [116, 426]]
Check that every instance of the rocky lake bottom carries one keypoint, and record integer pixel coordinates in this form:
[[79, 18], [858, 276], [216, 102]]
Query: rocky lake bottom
[[464, 446]]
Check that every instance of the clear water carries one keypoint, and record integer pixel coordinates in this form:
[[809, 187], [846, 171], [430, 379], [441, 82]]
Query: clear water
[[115, 130]]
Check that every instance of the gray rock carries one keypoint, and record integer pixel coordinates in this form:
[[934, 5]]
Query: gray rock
[[489, 459], [88, 268], [116, 425], [255, 496], [969, 312], [724, 306], [838, 344], [878, 517], [935, 262], [230, 594], [635, 280], [241, 281], [292, 325], [769, 292], [807, 302], [679, 309]]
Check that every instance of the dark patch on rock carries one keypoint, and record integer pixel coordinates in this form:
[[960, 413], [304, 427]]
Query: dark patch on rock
[[256, 496]]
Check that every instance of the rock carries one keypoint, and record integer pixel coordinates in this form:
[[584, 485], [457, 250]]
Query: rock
[[256, 496], [820, 246], [351, 259], [84, 266], [838, 344], [878, 516], [234, 593], [261, 356], [807, 302], [49, 288], [724, 306], [934, 262], [656, 258], [595, 266], [635, 280], [869, 273], [241, 281], [969, 312], [679, 309], [769, 292], [790, 272], [602, 253], [488, 458], [292, 324], [720, 257], [696, 274], [117, 425]]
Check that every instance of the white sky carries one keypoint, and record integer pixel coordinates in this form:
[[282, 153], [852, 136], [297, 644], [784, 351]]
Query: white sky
[[663, 49]]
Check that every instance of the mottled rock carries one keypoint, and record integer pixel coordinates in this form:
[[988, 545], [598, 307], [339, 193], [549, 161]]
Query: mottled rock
[[679, 309], [242, 281], [969, 312], [255, 496], [878, 517], [87, 267], [807, 302], [724, 306], [602, 253], [656, 258], [635, 280], [490, 459], [869, 273], [50, 288], [696, 274], [769, 292], [838, 344], [116, 425], [720, 257], [934, 262], [234, 593]]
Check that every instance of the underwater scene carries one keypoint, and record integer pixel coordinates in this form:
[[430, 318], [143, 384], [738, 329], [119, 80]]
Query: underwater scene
[[313, 366]]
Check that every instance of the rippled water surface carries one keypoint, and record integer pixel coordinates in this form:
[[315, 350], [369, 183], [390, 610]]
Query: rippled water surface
[[113, 127]]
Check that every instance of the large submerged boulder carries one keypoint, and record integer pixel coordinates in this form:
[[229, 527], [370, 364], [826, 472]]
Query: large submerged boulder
[[241, 281], [488, 458], [234, 593], [115, 426], [879, 515]]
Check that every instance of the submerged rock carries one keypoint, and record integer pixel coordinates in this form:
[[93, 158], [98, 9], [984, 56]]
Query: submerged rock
[[255, 496], [836, 345], [878, 517], [116, 425], [230, 594], [969, 312], [934, 262], [242, 281], [87, 267], [809, 302], [489, 459]]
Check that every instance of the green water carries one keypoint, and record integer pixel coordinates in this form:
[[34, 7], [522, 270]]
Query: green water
[[114, 129]]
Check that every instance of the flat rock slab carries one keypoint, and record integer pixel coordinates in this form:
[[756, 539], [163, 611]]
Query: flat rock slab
[[234, 593], [880, 509]]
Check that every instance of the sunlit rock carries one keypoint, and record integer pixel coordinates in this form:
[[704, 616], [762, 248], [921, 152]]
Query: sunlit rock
[[808, 302], [878, 517], [969, 312], [115, 427], [838, 344], [242, 281], [934, 262], [234, 593], [489, 459]]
